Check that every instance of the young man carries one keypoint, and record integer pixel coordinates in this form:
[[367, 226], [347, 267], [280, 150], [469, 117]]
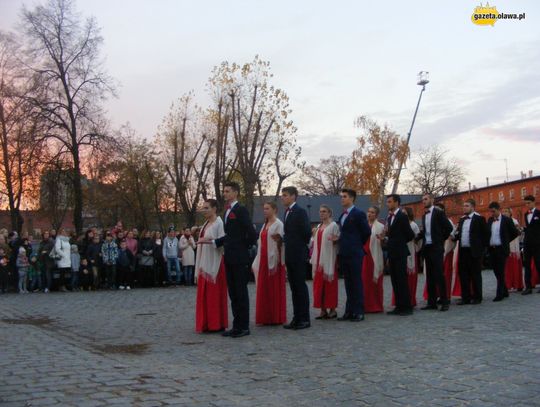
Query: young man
[[436, 229], [398, 234], [501, 231], [472, 234], [296, 239], [355, 231], [531, 242], [239, 236], [170, 254]]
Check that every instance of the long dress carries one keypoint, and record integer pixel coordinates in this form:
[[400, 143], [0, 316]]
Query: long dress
[[372, 271], [456, 289], [269, 270], [211, 312], [514, 266], [323, 266]]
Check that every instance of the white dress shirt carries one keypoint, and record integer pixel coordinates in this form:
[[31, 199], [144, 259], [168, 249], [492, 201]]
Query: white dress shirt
[[229, 210], [495, 239], [427, 231], [466, 231], [529, 216], [394, 213]]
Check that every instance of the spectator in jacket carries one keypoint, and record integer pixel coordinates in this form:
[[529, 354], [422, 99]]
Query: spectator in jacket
[[109, 255], [187, 247], [45, 249], [34, 274], [62, 250], [93, 256], [22, 269], [124, 264], [146, 260], [75, 267], [170, 254]]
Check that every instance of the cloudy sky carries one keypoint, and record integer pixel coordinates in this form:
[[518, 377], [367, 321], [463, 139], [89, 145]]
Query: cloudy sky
[[339, 60]]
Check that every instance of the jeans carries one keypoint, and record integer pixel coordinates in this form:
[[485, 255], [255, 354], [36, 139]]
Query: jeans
[[188, 274], [74, 280], [95, 277], [22, 280], [46, 276], [36, 282], [173, 262], [110, 272]]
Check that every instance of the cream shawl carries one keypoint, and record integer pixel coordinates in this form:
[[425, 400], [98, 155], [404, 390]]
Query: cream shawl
[[275, 253], [413, 248], [375, 247], [209, 257], [327, 259]]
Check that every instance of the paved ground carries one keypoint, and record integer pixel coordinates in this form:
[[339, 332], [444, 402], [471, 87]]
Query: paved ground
[[138, 348]]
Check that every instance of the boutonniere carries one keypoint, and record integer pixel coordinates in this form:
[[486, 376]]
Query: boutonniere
[[535, 218], [232, 215]]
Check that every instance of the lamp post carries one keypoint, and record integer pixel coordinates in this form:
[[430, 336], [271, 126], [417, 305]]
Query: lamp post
[[423, 80]]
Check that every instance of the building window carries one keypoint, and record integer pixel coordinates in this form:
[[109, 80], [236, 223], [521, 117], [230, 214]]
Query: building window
[[491, 197], [481, 199], [501, 196], [523, 192], [536, 190], [511, 194]]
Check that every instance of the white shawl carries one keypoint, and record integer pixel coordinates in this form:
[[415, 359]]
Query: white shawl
[[450, 244], [275, 254], [514, 244], [327, 259], [413, 248], [375, 247], [209, 257]]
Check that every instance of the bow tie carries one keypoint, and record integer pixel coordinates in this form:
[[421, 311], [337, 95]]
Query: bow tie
[[529, 211], [288, 210], [495, 219], [467, 217], [228, 207], [427, 211], [345, 212]]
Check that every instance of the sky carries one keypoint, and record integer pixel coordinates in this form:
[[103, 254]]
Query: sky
[[337, 61]]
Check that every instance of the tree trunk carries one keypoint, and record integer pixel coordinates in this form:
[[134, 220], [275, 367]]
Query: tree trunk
[[77, 191]]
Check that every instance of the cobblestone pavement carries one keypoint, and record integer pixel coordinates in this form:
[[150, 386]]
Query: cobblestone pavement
[[138, 348]]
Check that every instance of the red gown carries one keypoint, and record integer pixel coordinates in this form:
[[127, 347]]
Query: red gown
[[325, 293], [373, 292], [513, 272], [271, 308], [211, 309]]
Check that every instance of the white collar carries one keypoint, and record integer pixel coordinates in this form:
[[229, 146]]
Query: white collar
[[290, 207], [233, 203]]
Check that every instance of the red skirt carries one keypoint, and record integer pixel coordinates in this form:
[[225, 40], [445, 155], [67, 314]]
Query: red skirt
[[373, 291], [325, 293], [271, 303], [211, 309], [513, 272]]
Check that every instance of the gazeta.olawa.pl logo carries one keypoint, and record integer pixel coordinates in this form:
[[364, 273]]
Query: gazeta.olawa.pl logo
[[488, 15]]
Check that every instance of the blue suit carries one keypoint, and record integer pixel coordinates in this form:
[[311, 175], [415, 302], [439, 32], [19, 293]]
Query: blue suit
[[355, 232]]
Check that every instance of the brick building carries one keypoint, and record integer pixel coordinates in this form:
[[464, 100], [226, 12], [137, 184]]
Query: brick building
[[508, 194]]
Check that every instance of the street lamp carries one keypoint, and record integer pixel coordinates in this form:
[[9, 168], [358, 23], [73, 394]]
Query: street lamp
[[423, 80]]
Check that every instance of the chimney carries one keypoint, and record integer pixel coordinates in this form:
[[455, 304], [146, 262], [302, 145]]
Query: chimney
[[469, 187], [530, 173], [523, 175], [487, 181], [474, 187]]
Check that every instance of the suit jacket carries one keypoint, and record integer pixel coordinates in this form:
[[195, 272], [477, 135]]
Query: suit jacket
[[478, 234], [532, 230], [297, 235], [239, 236], [440, 228], [399, 233], [355, 232], [508, 232]]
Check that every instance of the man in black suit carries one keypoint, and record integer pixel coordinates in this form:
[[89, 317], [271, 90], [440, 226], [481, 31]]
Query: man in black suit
[[398, 234], [355, 231], [436, 229], [296, 239], [239, 236], [531, 242], [501, 231], [472, 235]]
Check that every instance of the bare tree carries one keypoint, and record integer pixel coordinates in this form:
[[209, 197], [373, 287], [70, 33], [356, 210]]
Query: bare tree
[[63, 50], [325, 178], [435, 173]]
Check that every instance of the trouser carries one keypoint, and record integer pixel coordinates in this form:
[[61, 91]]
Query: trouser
[[173, 262], [46, 276], [434, 258], [351, 267], [86, 279], [188, 274], [3, 279], [95, 277], [296, 274], [62, 271], [237, 280], [74, 280], [110, 273], [498, 262], [398, 276], [530, 254], [125, 276], [470, 274], [22, 280], [36, 282]]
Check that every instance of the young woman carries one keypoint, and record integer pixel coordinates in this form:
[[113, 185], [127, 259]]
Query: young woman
[[373, 267], [146, 267], [269, 270], [323, 265], [412, 260], [514, 267], [211, 310]]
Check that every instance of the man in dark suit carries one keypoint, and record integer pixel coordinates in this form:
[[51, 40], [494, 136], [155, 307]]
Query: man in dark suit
[[472, 235], [501, 231], [296, 239], [239, 236], [531, 242], [436, 229], [398, 234], [355, 231]]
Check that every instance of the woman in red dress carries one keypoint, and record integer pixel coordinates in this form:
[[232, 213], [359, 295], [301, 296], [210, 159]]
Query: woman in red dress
[[323, 263], [514, 267], [373, 267], [211, 310], [269, 270]]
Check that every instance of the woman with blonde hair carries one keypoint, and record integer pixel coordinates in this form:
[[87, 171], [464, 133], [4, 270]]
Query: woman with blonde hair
[[373, 267]]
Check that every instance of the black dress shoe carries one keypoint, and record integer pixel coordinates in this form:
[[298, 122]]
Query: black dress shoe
[[526, 291], [228, 332], [357, 317], [395, 311], [405, 312], [345, 317], [463, 302], [506, 294], [497, 299], [429, 307], [302, 325], [239, 333], [290, 325], [445, 307]]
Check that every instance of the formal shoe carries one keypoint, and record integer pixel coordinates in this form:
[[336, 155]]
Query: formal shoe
[[497, 299], [357, 317], [345, 317], [324, 316], [331, 316], [429, 307], [228, 332], [526, 291], [395, 311], [462, 302], [406, 312], [476, 302], [444, 307], [239, 333], [506, 295], [302, 325], [290, 325]]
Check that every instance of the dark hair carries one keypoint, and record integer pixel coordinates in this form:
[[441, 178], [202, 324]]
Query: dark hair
[[428, 194], [472, 202], [187, 227], [212, 202], [376, 209], [440, 206], [290, 191], [235, 186], [529, 198], [395, 197], [494, 205], [350, 192], [410, 213]]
